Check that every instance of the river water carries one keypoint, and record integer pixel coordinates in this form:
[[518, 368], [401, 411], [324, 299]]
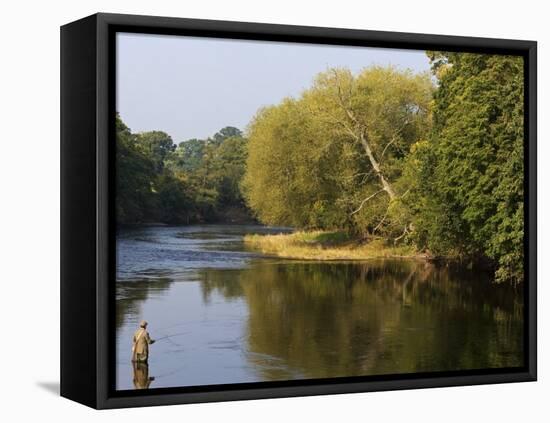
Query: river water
[[222, 314]]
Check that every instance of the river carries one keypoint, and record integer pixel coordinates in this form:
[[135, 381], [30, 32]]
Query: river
[[222, 314]]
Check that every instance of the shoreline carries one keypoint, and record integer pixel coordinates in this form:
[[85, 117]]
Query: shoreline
[[328, 246]]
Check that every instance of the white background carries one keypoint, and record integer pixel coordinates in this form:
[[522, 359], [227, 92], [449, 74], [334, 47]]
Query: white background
[[29, 212]]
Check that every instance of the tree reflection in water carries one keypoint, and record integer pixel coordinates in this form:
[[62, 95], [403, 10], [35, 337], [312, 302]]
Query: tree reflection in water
[[317, 320]]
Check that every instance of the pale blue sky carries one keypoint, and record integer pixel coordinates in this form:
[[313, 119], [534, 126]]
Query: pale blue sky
[[191, 87]]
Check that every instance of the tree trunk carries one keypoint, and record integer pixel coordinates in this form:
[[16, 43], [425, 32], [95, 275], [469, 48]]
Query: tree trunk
[[386, 186], [376, 166]]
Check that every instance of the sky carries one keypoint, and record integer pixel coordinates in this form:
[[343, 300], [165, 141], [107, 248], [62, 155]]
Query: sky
[[191, 87]]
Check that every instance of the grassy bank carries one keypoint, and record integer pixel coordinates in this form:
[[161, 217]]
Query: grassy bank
[[323, 245]]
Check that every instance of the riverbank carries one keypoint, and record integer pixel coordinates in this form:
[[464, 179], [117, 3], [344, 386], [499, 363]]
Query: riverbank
[[324, 245], [228, 216]]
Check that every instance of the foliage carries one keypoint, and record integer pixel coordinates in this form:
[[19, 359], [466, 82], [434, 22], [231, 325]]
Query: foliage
[[157, 145], [470, 176], [316, 161], [417, 163], [135, 171], [197, 180], [385, 154]]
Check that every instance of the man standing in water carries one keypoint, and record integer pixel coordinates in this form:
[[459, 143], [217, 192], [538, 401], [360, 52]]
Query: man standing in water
[[141, 341]]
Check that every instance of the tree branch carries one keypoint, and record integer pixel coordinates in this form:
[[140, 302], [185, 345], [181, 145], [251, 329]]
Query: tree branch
[[358, 174], [345, 108], [381, 221], [405, 232], [365, 200], [394, 137], [386, 147]]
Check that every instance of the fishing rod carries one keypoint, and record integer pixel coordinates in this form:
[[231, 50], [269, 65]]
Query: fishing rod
[[171, 336]]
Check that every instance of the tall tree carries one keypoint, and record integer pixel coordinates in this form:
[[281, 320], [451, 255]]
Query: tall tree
[[197, 181], [365, 124], [157, 145], [187, 155], [135, 173], [471, 177], [227, 132]]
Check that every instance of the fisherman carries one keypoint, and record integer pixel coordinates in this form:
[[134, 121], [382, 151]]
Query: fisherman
[[141, 341]]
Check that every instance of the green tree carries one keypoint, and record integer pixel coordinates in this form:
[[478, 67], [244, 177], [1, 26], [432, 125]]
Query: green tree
[[198, 180], [157, 145], [227, 132], [334, 157], [175, 198], [187, 155], [228, 169], [470, 179], [213, 169], [135, 172]]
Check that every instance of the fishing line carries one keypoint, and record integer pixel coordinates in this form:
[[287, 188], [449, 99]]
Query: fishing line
[[171, 336]]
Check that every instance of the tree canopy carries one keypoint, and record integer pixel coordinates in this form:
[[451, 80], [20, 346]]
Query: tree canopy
[[431, 160], [195, 181], [470, 175], [334, 157], [434, 161]]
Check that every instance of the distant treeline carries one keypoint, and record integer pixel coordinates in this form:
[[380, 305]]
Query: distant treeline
[[195, 181], [432, 160]]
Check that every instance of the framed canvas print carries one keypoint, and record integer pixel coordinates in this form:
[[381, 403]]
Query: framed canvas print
[[255, 211]]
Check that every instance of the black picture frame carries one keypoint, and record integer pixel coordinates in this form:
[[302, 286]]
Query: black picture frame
[[87, 209]]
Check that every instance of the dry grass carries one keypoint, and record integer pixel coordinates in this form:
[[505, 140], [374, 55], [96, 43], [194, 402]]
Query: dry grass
[[324, 245]]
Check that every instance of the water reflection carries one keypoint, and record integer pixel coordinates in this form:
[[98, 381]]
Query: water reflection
[[224, 315], [327, 320], [130, 294], [141, 375]]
